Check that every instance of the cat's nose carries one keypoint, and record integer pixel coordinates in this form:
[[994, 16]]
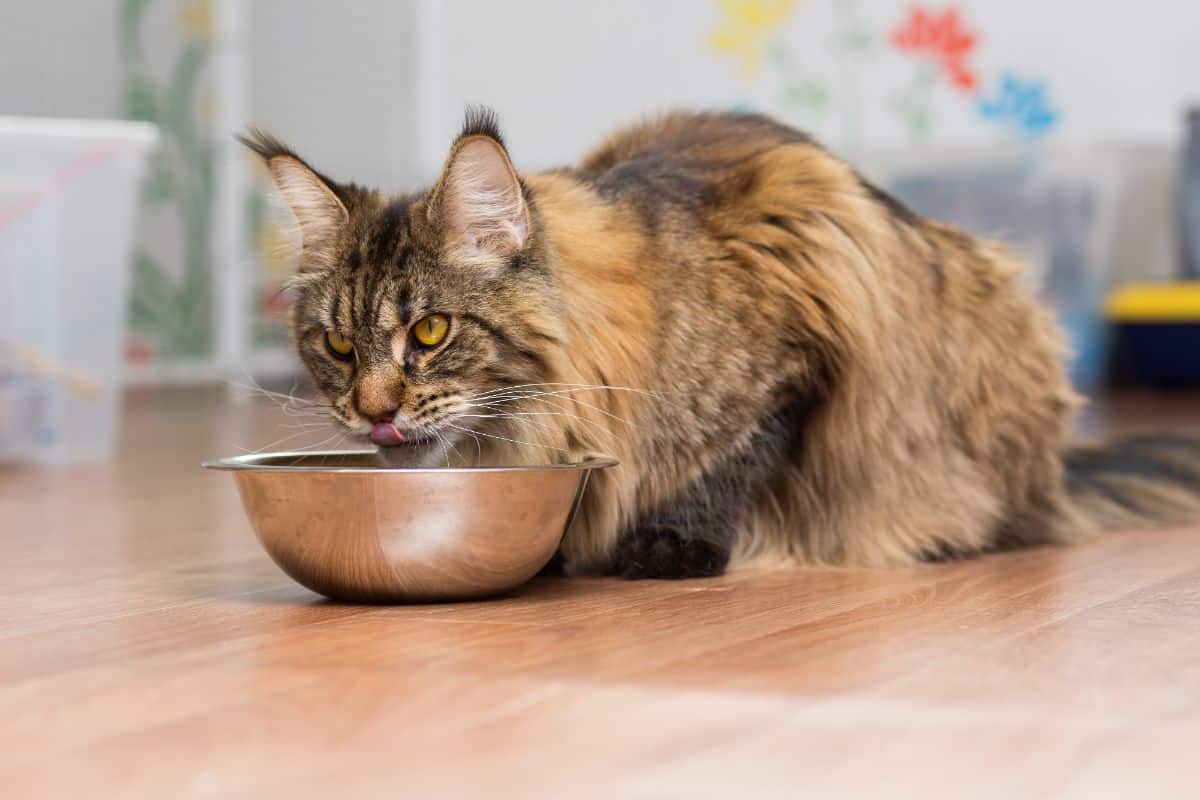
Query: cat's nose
[[377, 396], [376, 406], [377, 416]]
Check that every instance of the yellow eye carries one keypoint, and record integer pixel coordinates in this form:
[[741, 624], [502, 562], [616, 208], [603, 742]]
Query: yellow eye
[[432, 329], [338, 344]]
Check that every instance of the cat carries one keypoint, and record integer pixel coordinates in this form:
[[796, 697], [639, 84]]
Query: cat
[[791, 366]]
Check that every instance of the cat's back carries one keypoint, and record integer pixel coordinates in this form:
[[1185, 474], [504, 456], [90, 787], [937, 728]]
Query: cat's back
[[679, 155], [707, 137]]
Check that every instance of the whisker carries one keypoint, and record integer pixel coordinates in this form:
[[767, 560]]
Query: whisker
[[255, 387], [524, 418], [288, 403], [275, 444], [457, 452], [445, 446], [503, 438], [497, 407], [575, 386], [576, 400], [568, 393], [280, 441], [312, 426], [340, 440], [512, 418], [478, 447]]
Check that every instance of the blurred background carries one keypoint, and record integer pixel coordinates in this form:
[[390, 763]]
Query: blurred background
[[139, 245]]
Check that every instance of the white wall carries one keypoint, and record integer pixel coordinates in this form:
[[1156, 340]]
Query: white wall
[[335, 81], [373, 90], [561, 73], [59, 59], [338, 79]]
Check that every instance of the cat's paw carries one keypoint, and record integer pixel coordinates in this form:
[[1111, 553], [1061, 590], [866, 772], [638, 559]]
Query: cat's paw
[[555, 567], [664, 553]]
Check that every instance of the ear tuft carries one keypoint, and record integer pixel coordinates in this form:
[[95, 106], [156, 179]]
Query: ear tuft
[[317, 209], [264, 144], [479, 202], [482, 121]]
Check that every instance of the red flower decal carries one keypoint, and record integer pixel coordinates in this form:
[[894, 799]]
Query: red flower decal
[[138, 350], [941, 37], [272, 302]]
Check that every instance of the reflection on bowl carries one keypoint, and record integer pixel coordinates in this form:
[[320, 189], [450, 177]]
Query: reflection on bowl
[[352, 527]]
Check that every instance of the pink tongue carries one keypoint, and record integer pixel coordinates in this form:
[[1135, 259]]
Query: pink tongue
[[385, 434]]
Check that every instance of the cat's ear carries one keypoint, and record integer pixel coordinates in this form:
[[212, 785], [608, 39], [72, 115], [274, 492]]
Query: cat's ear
[[479, 203], [316, 207]]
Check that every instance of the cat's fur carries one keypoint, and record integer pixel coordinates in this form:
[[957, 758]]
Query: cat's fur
[[801, 369]]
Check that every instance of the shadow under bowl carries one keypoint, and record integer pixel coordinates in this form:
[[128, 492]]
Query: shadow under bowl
[[347, 525]]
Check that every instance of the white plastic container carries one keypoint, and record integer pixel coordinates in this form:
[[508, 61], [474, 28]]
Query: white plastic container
[[68, 193]]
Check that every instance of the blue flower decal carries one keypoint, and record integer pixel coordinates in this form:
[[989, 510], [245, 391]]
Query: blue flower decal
[[1020, 105]]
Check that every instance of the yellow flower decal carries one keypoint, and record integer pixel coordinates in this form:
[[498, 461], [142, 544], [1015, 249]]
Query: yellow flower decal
[[276, 249], [208, 107], [745, 30], [196, 19], [274, 240]]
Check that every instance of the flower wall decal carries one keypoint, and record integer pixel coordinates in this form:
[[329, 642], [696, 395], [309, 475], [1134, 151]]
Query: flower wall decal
[[172, 297], [1019, 105], [272, 242], [196, 19], [942, 44], [746, 30], [820, 87], [755, 31], [943, 38]]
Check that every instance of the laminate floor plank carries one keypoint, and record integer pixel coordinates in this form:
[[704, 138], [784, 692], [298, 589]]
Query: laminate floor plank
[[149, 648]]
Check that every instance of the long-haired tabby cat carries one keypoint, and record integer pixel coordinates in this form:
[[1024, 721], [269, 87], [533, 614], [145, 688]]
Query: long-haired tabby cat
[[789, 364]]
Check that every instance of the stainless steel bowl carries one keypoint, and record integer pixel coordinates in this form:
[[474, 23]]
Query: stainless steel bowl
[[349, 526]]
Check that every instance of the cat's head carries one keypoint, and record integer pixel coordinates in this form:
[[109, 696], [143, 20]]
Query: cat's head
[[411, 309]]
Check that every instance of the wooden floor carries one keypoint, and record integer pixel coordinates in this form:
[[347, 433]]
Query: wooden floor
[[148, 648]]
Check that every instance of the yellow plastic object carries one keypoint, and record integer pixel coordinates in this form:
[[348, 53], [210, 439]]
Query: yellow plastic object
[[1155, 302]]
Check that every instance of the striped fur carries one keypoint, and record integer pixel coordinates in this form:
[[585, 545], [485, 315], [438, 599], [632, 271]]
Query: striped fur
[[801, 370]]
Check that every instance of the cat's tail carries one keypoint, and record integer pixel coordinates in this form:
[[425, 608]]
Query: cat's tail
[[1136, 482]]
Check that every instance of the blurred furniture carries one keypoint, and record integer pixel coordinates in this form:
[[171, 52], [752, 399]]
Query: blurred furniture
[[67, 198], [1084, 217], [1156, 333]]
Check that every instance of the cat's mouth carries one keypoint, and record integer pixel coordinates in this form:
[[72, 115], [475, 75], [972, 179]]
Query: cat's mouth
[[386, 434]]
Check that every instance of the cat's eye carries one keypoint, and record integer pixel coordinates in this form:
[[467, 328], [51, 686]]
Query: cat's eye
[[432, 329], [339, 345]]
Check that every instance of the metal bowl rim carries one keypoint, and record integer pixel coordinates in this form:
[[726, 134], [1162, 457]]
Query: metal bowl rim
[[248, 461]]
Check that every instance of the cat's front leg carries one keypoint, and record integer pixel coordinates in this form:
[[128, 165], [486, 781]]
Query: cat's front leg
[[668, 551], [692, 535]]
